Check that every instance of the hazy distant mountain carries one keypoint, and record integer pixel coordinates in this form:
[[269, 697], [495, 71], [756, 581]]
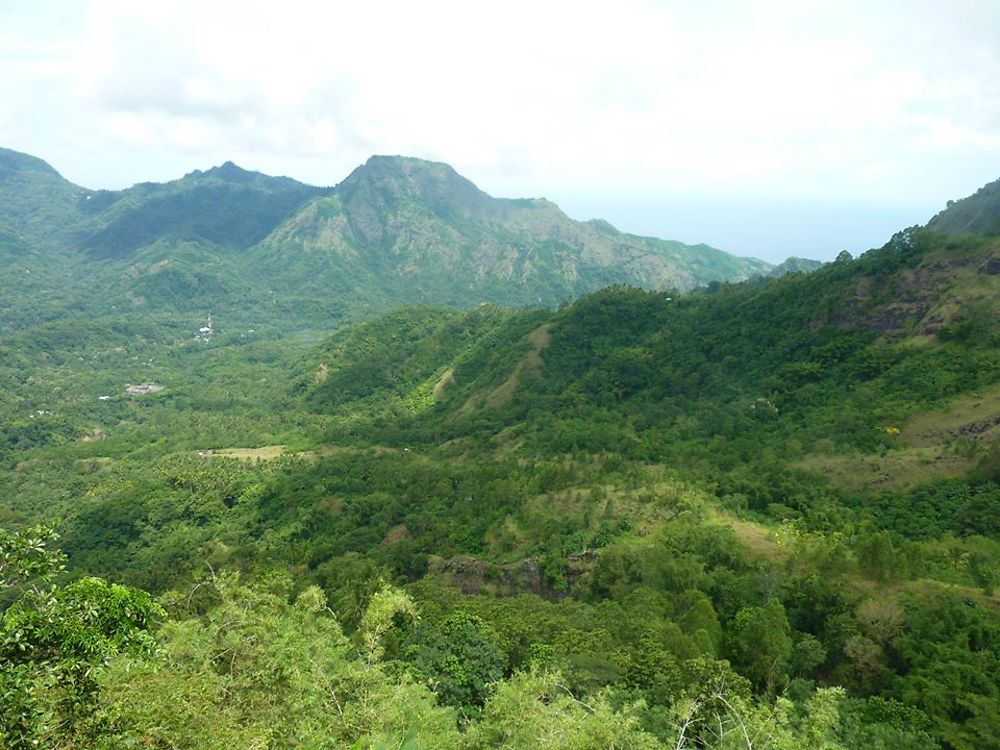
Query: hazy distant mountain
[[225, 206], [36, 203], [416, 229], [396, 231]]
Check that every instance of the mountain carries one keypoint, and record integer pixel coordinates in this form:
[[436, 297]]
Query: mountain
[[153, 248], [414, 230], [979, 213], [795, 265], [36, 203], [226, 207], [264, 249]]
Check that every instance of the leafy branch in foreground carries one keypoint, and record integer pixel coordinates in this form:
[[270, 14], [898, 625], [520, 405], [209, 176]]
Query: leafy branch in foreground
[[53, 639]]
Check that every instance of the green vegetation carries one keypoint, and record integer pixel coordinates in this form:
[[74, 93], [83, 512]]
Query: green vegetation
[[407, 230], [762, 514], [52, 639]]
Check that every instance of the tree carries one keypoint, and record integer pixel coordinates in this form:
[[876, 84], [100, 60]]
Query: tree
[[722, 716], [458, 659], [881, 619], [54, 640], [760, 645], [534, 711], [878, 556], [259, 669]]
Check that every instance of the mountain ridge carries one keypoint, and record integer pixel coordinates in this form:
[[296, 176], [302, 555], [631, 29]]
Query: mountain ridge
[[416, 218], [225, 206], [396, 230]]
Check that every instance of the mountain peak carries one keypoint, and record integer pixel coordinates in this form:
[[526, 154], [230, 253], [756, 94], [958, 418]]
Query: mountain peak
[[226, 206], [227, 172], [232, 173], [406, 164], [387, 179], [37, 202], [418, 171]]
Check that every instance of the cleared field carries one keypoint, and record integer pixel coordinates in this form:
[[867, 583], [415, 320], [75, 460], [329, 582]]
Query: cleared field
[[263, 453], [757, 538]]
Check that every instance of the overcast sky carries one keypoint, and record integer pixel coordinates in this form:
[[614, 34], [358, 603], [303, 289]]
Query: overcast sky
[[764, 128]]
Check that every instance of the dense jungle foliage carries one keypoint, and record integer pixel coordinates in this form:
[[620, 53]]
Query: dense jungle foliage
[[755, 515]]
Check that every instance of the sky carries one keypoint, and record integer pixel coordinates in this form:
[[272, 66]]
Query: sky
[[799, 127]]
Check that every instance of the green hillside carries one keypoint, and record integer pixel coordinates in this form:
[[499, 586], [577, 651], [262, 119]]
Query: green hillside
[[757, 514], [794, 265], [977, 214], [833, 359], [226, 206], [36, 203], [153, 249]]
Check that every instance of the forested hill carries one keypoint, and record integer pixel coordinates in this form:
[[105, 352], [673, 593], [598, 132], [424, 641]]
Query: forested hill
[[270, 251], [36, 203], [225, 206], [832, 357], [758, 514]]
